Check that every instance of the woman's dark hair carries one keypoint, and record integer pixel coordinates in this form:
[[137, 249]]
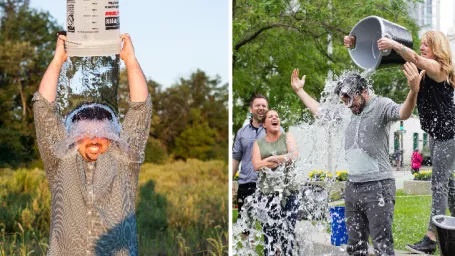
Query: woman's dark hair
[[352, 83], [87, 112]]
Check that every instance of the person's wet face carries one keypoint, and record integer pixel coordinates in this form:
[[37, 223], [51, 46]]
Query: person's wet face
[[272, 121], [258, 108], [356, 102], [91, 148]]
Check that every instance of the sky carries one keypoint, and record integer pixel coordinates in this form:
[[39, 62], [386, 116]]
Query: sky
[[172, 39]]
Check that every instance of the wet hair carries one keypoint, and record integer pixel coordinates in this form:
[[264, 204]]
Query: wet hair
[[91, 113], [439, 44], [257, 96], [350, 84]]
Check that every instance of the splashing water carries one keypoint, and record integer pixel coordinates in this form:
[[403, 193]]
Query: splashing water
[[321, 147], [88, 80]]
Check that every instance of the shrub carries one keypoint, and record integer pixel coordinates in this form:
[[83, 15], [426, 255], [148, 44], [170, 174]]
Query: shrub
[[318, 175], [341, 176], [423, 175]]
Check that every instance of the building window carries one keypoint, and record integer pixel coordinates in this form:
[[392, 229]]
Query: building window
[[415, 140], [428, 13], [425, 139]]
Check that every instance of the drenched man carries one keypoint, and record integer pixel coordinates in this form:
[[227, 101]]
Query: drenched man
[[92, 164], [370, 189]]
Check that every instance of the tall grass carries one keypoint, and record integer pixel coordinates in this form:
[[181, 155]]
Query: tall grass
[[181, 210]]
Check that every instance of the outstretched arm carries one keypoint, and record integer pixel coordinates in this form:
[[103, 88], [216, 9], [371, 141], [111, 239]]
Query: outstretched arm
[[297, 84], [432, 67], [413, 76], [136, 78], [48, 85]]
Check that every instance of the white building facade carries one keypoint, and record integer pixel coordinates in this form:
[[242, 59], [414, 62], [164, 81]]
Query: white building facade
[[407, 136]]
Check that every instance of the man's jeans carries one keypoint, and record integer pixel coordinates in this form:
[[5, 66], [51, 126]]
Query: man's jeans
[[369, 212]]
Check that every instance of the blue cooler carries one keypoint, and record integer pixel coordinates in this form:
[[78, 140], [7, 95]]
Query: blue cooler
[[338, 226]]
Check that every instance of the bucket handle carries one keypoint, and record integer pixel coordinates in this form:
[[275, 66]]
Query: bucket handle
[[386, 52]]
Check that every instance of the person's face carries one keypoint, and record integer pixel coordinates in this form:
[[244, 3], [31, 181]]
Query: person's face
[[258, 109], [426, 51], [356, 104], [272, 122], [91, 148]]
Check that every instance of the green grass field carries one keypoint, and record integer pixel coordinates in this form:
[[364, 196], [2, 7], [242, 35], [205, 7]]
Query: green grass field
[[175, 215], [410, 218]]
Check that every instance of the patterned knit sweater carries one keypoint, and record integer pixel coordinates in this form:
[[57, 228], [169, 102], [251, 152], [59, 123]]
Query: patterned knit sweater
[[93, 204]]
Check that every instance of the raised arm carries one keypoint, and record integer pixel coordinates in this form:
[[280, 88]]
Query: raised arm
[[136, 78], [432, 67], [48, 85], [297, 84], [413, 76], [136, 125]]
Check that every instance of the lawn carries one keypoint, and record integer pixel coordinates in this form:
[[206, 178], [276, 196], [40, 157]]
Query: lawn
[[410, 219]]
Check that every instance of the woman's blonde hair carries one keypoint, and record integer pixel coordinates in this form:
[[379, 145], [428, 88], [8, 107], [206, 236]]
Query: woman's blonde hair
[[440, 45]]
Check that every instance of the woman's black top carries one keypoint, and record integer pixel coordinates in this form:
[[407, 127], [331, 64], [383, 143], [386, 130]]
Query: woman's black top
[[435, 102]]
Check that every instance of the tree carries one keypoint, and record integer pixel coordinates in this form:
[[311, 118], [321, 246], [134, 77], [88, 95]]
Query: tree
[[27, 39], [173, 117], [271, 38], [197, 139], [175, 104]]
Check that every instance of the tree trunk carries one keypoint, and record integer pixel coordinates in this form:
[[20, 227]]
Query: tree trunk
[[23, 100]]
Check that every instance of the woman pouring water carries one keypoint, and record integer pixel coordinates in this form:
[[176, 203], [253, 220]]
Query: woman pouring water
[[278, 205], [435, 103]]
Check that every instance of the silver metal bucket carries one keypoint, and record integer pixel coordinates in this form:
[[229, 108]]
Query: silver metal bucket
[[367, 32]]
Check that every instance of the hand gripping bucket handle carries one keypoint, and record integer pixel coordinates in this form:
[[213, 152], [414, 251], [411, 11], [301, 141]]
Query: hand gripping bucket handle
[[367, 32]]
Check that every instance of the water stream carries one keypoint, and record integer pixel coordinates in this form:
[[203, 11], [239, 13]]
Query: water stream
[[321, 147]]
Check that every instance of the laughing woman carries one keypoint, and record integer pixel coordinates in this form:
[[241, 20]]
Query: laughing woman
[[273, 157], [437, 117]]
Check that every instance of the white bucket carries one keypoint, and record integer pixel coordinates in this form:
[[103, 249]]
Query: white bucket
[[93, 27]]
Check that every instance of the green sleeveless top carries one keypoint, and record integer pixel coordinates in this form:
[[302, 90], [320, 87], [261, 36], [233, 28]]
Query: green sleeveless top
[[280, 179]]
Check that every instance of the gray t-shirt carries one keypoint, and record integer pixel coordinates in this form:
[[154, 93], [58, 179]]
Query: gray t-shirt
[[367, 140]]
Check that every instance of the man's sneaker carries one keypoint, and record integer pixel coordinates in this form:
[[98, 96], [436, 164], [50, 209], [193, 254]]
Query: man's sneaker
[[424, 246]]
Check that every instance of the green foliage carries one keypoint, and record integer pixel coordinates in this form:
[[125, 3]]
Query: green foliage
[[197, 140], [193, 112], [175, 214], [155, 152], [27, 42], [423, 175], [194, 221], [272, 38], [27, 39]]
